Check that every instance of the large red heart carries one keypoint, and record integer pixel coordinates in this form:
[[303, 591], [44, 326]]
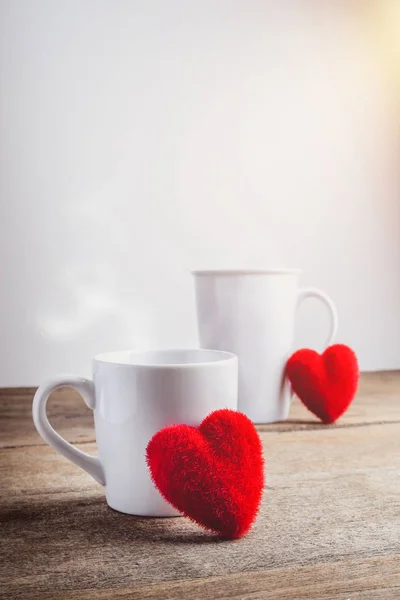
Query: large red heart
[[214, 473], [326, 383]]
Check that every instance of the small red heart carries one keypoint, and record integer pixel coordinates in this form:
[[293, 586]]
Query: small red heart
[[326, 383], [214, 473]]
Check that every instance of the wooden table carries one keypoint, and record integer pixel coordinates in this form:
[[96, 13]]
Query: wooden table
[[329, 526]]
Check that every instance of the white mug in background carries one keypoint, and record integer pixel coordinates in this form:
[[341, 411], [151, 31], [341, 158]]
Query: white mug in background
[[252, 314], [134, 395]]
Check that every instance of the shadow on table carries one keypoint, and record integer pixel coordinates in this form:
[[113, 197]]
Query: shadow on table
[[290, 425], [91, 519]]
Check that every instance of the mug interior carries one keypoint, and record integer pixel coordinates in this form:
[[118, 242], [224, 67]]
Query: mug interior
[[165, 358]]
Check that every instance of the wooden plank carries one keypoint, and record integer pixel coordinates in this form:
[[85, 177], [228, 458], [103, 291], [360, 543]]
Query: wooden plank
[[318, 453], [67, 412], [363, 579], [378, 401], [333, 495]]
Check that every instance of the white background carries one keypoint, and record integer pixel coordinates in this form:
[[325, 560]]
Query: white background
[[140, 139]]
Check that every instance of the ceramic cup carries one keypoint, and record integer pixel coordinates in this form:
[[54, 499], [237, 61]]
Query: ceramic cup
[[252, 313], [133, 395]]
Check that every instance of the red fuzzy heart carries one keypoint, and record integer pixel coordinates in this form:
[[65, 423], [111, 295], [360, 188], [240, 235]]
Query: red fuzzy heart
[[214, 473], [326, 383]]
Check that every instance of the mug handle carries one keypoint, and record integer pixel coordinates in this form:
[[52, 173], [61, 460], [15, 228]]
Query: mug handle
[[316, 293], [88, 463]]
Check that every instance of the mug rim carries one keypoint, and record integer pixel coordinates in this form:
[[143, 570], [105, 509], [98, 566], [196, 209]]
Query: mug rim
[[256, 271], [111, 358]]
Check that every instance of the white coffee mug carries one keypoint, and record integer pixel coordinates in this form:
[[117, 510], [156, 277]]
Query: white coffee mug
[[252, 314], [134, 395]]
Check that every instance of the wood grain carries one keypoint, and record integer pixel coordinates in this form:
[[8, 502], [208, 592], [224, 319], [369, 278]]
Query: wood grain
[[329, 525], [356, 579], [378, 400]]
